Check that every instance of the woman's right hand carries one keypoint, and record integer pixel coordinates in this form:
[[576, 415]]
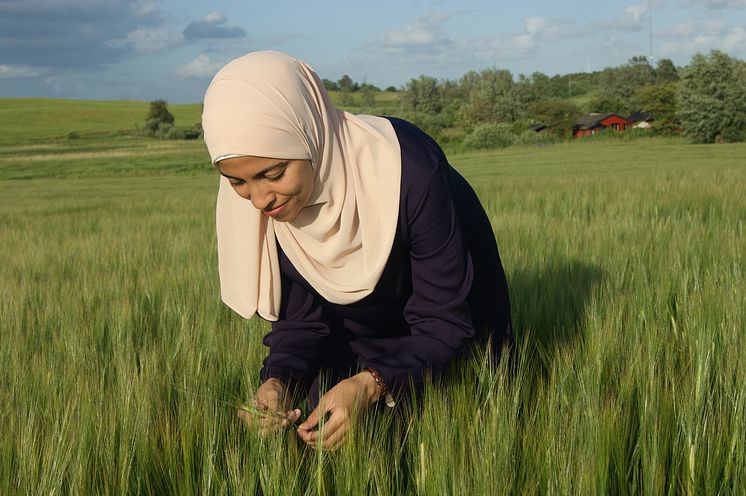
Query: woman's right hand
[[272, 408]]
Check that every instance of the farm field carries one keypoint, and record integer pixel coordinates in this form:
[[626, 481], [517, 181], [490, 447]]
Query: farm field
[[120, 368]]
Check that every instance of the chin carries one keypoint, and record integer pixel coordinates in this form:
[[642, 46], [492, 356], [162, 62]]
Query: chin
[[286, 217]]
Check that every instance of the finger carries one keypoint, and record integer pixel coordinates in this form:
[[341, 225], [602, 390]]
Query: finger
[[293, 415], [268, 426], [269, 422], [251, 420], [336, 420], [328, 442], [268, 405], [336, 440], [245, 417], [312, 419]]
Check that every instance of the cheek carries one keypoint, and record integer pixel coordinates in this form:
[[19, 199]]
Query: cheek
[[307, 189], [293, 188], [301, 187]]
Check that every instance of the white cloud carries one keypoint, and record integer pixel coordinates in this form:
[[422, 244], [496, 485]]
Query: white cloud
[[213, 25], [725, 4], [716, 26], [635, 17], [634, 13], [150, 10], [202, 66], [682, 30], [550, 29], [732, 40], [426, 33], [21, 71], [214, 18], [72, 33], [427, 39], [148, 40]]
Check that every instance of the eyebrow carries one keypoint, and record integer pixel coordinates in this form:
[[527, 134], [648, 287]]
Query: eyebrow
[[258, 174]]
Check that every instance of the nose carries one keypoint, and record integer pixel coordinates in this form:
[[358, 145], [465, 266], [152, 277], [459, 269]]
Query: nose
[[259, 195]]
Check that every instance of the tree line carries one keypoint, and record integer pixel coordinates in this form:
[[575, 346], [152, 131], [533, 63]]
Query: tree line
[[705, 101]]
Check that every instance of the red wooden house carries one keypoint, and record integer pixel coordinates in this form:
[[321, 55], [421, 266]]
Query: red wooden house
[[593, 123]]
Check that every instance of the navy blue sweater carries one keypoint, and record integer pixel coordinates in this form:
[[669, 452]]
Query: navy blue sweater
[[442, 284]]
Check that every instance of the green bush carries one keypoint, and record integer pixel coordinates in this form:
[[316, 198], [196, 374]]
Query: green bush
[[635, 133], [530, 137], [489, 136], [163, 129], [174, 133], [73, 135], [432, 124], [151, 127]]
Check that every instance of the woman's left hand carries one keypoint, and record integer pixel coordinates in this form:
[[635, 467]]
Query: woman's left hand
[[345, 401]]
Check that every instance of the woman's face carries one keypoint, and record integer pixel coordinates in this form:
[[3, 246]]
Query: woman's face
[[280, 188]]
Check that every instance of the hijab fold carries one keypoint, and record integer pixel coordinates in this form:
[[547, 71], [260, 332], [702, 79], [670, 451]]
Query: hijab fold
[[268, 104]]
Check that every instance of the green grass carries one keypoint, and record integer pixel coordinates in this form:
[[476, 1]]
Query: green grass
[[39, 120], [119, 364]]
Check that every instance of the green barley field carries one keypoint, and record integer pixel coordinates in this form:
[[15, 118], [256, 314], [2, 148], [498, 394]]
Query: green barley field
[[120, 368]]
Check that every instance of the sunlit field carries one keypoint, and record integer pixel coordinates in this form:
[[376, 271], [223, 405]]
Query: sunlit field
[[121, 370]]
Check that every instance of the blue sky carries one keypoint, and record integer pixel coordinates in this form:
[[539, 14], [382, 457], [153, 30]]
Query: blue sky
[[148, 49]]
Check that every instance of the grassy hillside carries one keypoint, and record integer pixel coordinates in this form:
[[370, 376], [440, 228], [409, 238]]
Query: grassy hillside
[[35, 120], [120, 369]]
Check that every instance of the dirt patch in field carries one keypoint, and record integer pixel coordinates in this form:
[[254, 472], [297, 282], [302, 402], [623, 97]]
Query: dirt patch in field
[[149, 150], [45, 146]]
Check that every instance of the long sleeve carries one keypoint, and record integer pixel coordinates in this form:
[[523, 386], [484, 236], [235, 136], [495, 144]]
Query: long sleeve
[[294, 341], [437, 312]]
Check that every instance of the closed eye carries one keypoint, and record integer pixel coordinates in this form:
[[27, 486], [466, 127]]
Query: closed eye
[[276, 176]]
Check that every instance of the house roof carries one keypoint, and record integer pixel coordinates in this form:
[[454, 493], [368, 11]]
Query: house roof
[[538, 126], [590, 121], [641, 116], [593, 120]]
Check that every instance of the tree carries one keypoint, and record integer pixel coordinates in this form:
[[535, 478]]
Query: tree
[[345, 97], [712, 98], [541, 85], [619, 84], [330, 85], [665, 71], [608, 102], [368, 95], [637, 72], [494, 97], [346, 83], [559, 115], [159, 111], [660, 101], [423, 95], [159, 120]]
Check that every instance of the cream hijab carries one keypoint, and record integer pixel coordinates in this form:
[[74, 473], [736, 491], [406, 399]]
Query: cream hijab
[[268, 104]]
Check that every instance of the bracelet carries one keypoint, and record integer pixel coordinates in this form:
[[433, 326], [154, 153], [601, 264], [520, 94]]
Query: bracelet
[[383, 391], [379, 381]]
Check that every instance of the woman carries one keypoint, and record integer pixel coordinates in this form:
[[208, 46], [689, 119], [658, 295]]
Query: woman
[[370, 255]]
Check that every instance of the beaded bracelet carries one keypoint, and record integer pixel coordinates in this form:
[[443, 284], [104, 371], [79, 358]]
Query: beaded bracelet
[[383, 391]]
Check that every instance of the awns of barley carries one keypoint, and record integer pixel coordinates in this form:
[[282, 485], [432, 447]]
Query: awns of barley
[[627, 376]]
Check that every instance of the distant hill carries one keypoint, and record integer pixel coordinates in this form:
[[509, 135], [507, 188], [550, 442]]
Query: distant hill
[[33, 120]]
